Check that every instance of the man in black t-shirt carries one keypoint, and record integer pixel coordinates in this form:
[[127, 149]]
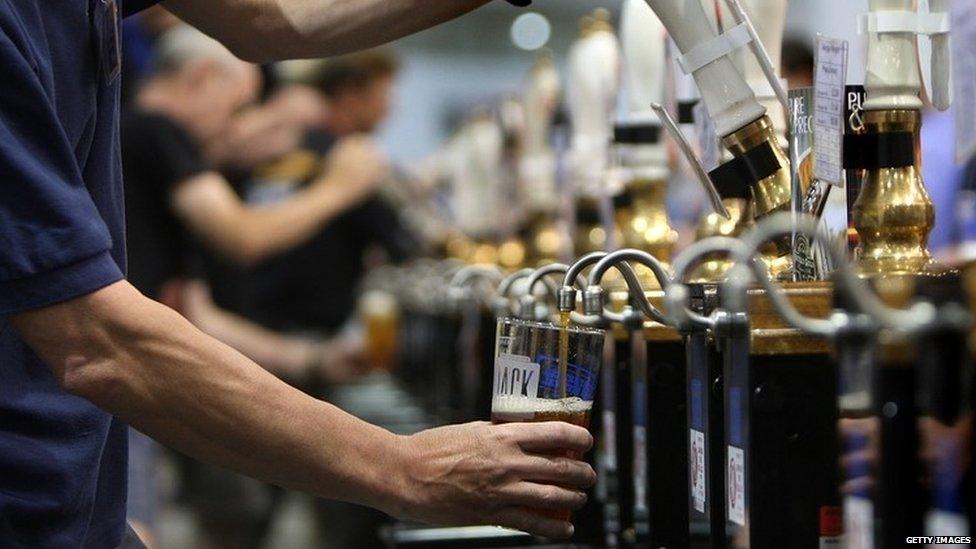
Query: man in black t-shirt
[[313, 287]]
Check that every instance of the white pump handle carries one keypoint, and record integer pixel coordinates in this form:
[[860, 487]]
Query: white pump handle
[[759, 51], [942, 85]]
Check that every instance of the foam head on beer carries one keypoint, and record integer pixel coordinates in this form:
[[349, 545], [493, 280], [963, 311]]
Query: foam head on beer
[[507, 409]]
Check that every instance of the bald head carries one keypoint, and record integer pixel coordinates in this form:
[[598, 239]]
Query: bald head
[[198, 83], [183, 46]]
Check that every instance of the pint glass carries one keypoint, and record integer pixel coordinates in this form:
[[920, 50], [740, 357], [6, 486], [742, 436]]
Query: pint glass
[[545, 373]]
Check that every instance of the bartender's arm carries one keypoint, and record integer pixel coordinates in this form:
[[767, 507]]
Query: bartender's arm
[[149, 366], [267, 30]]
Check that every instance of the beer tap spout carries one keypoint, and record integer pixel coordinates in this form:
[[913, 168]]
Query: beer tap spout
[[596, 296], [464, 280], [503, 295], [568, 293], [528, 305], [677, 297]]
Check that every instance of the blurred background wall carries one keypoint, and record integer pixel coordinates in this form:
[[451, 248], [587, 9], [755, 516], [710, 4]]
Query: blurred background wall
[[474, 59]]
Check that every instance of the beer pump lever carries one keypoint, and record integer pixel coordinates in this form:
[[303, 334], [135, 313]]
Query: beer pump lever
[[714, 198]]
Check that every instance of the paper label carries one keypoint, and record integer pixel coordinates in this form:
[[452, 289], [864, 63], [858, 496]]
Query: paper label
[[859, 522], [610, 439], [697, 473], [828, 118], [737, 486], [640, 469], [516, 376]]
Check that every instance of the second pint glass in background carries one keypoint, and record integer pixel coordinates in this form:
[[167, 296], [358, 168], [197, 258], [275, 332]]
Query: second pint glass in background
[[545, 373]]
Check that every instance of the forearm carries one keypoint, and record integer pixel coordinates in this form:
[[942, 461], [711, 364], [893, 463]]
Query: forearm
[[147, 365], [267, 30], [248, 234], [280, 354], [262, 231]]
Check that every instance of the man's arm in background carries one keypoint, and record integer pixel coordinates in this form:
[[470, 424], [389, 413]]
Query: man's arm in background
[[267, 30], [149, 366], [289, 357], [247, 234]]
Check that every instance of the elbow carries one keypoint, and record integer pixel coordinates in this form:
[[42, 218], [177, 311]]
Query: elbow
[[252, 51]]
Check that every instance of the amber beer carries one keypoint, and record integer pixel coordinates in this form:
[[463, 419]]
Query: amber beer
[[517, 409], [380, 317]]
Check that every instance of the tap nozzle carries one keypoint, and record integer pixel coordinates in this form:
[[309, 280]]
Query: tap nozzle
[[567, 299], [594, 300]]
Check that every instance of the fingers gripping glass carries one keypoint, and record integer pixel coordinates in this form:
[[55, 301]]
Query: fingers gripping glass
[[546, 373]]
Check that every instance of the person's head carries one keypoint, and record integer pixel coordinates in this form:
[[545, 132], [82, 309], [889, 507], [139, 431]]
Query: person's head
[[199, 83], [358, 87], [798, 63]]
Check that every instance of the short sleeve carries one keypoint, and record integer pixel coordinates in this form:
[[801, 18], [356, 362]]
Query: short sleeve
[[130, 7], [54, 244]]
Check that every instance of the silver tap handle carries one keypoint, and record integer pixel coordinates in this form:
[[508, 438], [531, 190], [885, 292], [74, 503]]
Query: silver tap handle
[[759, 51], [703, 178]]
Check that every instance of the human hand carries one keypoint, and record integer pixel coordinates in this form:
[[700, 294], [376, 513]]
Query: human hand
[[340, 360], [479, 473], [355, 167]]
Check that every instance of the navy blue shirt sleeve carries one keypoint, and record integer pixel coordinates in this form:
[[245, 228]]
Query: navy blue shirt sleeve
[[54, 244]]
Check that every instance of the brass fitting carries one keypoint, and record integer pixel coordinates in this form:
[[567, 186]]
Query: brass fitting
[[715, 268], [546, 241], [772, 194], [894, 214], [644, 223]]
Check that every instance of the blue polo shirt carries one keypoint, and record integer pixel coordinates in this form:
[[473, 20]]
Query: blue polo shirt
[[62, 460]]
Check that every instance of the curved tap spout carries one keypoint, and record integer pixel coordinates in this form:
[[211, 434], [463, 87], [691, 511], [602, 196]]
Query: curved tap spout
[[677, 296], [595, 294], [466, 275], [568, 293], [527, 301], [503, 305], [860, 293]]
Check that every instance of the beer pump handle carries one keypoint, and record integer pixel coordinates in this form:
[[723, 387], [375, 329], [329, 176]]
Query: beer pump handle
[[759, 51], [703, 178], [942, 84]]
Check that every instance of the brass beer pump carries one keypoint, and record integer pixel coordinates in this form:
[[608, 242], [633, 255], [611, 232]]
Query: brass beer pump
[[893, 213]]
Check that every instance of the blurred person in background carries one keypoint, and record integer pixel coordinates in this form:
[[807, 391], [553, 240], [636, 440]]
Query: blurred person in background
[[139, 36], [798, 63], [313, 288], [177, 203]]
